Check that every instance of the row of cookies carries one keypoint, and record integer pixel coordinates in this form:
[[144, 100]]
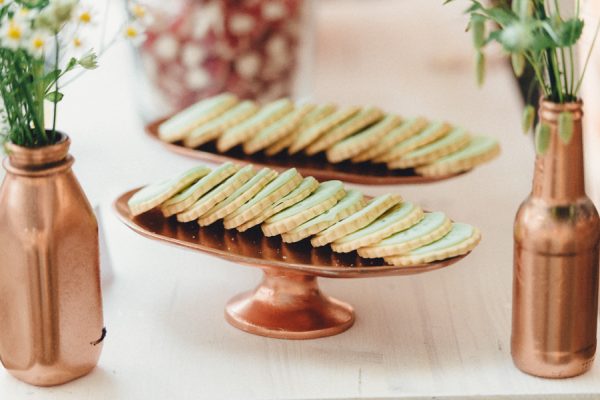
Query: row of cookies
[[343, 133], [298, 208]]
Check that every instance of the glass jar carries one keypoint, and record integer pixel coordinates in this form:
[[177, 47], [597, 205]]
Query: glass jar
[[198, 48]]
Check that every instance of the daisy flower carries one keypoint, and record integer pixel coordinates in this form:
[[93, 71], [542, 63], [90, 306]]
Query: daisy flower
[[134, 32], [37, 43], [14, 32], [84, 15], [140, 14]]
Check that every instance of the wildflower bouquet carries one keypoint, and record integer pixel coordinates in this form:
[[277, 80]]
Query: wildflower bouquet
[[41, 42], [539, 33]]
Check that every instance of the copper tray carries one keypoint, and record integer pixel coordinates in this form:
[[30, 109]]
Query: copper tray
[[288, 303], [317, 165]]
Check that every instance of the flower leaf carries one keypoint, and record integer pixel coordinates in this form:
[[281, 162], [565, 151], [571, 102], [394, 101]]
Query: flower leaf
[[542, 138], [569, 32], [518, 63], [527, 119], [478, 30], [54, 97], [480, 67], [565, 126]]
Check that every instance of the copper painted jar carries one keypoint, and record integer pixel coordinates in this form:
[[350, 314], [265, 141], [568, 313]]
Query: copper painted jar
[[555, 282], [51, 323]]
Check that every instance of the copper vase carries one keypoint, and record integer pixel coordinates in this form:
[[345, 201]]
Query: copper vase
[[51, 324], [555, 282]]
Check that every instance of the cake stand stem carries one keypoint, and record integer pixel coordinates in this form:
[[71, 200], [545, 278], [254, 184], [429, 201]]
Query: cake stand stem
[[289, 305]]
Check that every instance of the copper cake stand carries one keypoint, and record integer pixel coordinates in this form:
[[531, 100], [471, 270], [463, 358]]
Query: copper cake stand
[[317, 165], [288, 303]]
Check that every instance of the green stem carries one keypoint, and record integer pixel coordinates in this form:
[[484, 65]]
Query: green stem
[[55, 101]]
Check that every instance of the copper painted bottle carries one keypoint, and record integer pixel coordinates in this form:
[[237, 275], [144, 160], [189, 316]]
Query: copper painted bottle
[[555, 282], [51, 322]]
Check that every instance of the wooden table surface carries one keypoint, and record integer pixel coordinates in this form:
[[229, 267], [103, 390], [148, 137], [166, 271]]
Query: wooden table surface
[[439, 335]]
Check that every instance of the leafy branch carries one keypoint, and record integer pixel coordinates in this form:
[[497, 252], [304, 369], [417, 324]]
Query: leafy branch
[[534, 32]]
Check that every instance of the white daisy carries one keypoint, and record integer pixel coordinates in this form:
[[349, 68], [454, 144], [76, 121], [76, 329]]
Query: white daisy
[[84, 15], [37, 43], [14, 33], [141, 14], [134, 32]]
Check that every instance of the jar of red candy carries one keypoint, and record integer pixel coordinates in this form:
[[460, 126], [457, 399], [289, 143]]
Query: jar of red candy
[[198, 48]]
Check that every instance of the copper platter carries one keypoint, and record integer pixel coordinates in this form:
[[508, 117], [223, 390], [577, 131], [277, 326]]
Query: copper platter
[[317, 166], [288, 303]]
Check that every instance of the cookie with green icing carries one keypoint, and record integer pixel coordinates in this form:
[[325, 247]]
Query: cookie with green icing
[[461, 239]]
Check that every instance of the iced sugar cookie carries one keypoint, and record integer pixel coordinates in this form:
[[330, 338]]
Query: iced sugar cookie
[[480, 150], [408, 128], [216, 195], [398, 218], [461, 239], [354, 222], [352, 202], [430, 134], [432, 227], [454, 141], [311, 133], [181, 124], [326, 196], [306, 187], [275, 190], [186, 198], [238, 198], [215, 128], [351, 126], [360, 142], [247, 129], [277, 130], [154, 195]]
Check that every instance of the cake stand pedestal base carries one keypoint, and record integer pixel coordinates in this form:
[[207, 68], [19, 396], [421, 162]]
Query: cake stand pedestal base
[[289, 305]]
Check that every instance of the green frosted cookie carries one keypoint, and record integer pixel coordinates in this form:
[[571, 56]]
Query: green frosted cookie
[[306, 187], [186, 198], [326, 196], [275, 190], [153, 195], [360, 219], [396, 219], [181, 124], [432, 227], [480, 149], [216, 195], [352, 202], [238, 198], [351, 126], [215, 128], [461, 239], [250, 127], [311, 133], [362, 141], [430, 134], [457, 139], [408, 128]]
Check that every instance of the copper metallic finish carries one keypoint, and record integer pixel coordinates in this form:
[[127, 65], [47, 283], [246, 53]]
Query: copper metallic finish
[[50, 298], [316, 166], [288, 303], [289, 306], [555, 283]]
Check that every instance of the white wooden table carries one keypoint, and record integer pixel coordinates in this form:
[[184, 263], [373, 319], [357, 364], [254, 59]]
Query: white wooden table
[[439, 335]]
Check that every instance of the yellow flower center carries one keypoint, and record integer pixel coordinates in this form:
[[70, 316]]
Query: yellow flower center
[[85, 17], [138, 10], [77, 42], [14, 31], [38, 43], [131, 32]]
